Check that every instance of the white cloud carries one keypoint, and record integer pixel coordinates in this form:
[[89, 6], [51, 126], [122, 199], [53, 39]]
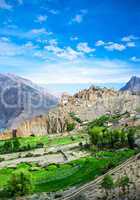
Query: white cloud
[[4, 5], [64, 65], [5, 39], [111, 46], [100, 43], [129, 38], [130, 44], [83, 47], [74, 38], [54, 12], [41, 18], [41, 31], [30, 45], [53, 42], [53, 48], [29, 34], [84, 71], [69, 54], [64, 53], [10, 49], [135, 59], [78, 18], [115, 46], [43, 41]]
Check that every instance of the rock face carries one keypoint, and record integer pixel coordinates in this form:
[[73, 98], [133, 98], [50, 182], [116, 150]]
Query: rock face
[[20, 99], [54, 122], [133, 85], [87, 105]]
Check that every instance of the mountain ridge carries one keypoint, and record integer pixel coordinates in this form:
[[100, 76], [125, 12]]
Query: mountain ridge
[[133, 85], [21, 99]]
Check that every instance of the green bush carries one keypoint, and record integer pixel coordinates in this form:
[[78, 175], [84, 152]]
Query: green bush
[[107, 182], [75, 118], [1, 159], [39, 145], [20, 183], [70, 126]]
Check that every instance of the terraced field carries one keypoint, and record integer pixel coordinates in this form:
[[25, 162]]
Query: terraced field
[[61, 176]]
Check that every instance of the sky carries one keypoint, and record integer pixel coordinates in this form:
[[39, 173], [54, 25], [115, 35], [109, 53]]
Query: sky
[[70, 41]]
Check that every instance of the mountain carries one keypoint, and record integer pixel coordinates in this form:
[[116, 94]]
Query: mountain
[[85, 105], [20, 100], [132, 85]]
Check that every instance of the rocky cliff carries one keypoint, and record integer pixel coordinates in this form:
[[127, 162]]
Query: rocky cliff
[[87, 105]]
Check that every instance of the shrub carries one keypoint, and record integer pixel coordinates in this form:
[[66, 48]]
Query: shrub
[[1, 159], [34, 169], [99, 121], [20, 183], [7, 147], [32, 135], [131, 137], [123, 182], [70, 126], [73, 138], [107, 182], [16, 144], [29, 155], [75, 118], [39, 145], [52, 167]]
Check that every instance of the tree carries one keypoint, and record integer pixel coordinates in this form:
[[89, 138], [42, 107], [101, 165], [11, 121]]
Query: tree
[[16, 144], [124, 183], [108, 184], [131, 138], [7, 147], [70, 126], [20, 183], [96, 135], [123, 137]]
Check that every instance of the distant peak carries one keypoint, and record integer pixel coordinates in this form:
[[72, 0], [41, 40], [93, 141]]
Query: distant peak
[[134, 77], [132, 85]]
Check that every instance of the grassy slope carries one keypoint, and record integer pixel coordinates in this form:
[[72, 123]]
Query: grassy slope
[[56, 177]]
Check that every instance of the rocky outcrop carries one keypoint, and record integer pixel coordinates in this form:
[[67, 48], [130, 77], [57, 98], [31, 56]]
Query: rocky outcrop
[[54, 122], [88, 104]]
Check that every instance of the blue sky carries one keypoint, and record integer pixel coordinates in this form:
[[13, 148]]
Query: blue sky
[[70, 41]]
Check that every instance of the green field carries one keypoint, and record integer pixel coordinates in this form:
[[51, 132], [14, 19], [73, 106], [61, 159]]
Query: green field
[[57, 177], [46, 141]]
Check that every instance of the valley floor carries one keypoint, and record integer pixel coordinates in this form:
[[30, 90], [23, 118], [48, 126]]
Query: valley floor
[[65, 163], [56, 177]]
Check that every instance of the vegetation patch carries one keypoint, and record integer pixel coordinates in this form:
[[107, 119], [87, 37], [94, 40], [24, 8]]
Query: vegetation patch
[[33, 142]]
